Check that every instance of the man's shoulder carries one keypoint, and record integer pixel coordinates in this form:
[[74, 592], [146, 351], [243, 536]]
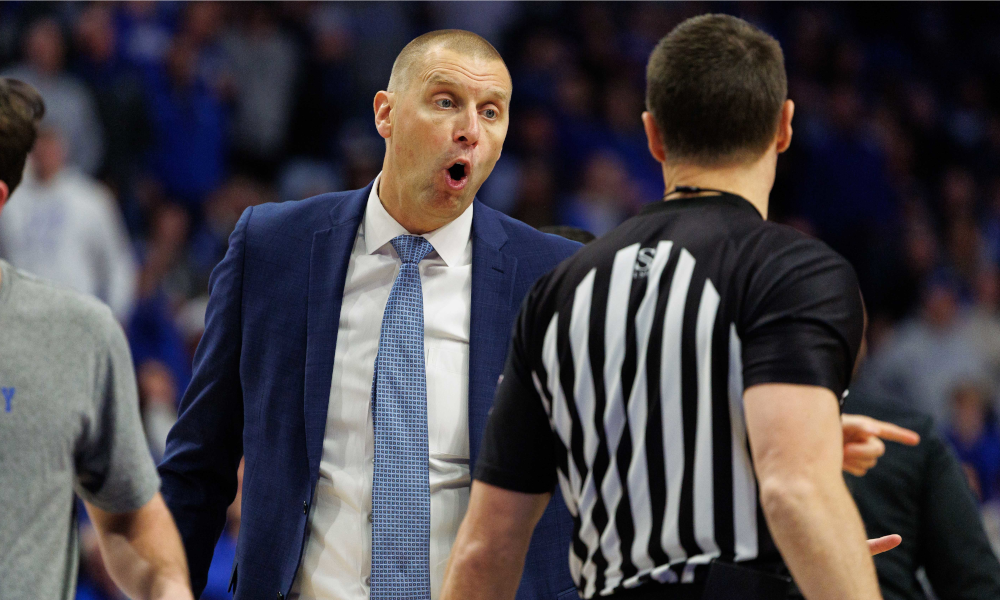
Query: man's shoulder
[[42, 303], [321, 206], [302, 218], [529, 244]]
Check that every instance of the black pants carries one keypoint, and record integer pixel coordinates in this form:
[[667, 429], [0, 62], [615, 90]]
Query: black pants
[[725, 581], [657, 591]]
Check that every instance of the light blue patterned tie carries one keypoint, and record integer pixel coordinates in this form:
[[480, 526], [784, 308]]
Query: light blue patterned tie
[[401, 497]]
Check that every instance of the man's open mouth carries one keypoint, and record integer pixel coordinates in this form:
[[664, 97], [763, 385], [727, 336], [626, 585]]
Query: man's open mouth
[[457, 172]]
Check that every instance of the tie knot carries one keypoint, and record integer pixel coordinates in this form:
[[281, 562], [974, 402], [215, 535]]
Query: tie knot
[[411, 248]]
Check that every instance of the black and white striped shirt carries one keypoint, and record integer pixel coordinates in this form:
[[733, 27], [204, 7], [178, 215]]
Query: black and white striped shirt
[[625, 382]]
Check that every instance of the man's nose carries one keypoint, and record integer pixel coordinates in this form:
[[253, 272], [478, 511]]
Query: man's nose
[[467, 127]]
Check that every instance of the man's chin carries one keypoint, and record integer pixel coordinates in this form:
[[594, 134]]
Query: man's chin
[[451, 203]]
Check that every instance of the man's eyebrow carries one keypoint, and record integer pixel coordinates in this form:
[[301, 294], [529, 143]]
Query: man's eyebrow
[[438, 79], [500, 93]]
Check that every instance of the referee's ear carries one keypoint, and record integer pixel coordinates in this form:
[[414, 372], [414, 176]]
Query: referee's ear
[[653, 137], [784, 137], [4, 193]]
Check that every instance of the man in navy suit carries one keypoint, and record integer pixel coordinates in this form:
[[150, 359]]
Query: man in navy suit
[[352, 347]]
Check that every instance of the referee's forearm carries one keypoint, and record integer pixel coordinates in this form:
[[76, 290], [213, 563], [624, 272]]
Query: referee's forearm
[[819, 532], [482, 570], [488, 555]]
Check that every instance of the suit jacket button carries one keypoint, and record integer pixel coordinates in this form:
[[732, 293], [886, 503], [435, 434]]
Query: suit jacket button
[[305, 508], [281, 596]]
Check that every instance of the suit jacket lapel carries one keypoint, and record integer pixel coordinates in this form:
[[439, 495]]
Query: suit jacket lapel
[[493, 273], [331, 253]]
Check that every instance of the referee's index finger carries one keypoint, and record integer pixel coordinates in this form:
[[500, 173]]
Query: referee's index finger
[[895, 433], [884, 543]]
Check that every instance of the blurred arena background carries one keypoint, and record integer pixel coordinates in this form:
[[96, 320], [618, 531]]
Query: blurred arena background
[[166, 120]]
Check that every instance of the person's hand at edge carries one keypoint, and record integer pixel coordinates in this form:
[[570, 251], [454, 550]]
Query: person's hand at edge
[[884, 543], [863, 443]]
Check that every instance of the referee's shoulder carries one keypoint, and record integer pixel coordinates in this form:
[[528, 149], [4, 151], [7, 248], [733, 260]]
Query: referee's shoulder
[[779, 241], [776, 256]]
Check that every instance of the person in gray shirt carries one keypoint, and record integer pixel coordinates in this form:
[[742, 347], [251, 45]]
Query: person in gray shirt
[[69, 421]]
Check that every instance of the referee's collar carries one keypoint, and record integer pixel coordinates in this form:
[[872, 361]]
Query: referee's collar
[[694, 201]]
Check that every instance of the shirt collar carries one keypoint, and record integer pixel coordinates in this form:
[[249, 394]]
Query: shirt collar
[[697, 201], [450, 241]]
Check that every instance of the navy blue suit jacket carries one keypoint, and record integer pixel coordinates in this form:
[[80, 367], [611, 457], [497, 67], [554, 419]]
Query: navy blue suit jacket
[[261, 384]]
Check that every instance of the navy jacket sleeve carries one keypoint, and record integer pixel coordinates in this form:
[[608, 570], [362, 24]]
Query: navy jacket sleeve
[[205, 445]]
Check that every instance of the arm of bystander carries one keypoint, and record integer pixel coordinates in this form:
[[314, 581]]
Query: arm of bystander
[[863, 443], [143, 552]]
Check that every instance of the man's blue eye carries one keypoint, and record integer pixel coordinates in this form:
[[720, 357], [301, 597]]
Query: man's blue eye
[[444, 103], [490, 113]]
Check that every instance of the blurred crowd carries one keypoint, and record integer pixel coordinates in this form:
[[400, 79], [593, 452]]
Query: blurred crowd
[[166, 120]]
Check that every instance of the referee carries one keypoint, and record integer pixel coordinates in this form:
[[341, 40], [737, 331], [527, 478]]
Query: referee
[[680, 377]]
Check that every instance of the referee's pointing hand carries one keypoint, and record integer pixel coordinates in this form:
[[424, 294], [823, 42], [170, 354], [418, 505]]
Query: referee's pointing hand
[[863, 443]]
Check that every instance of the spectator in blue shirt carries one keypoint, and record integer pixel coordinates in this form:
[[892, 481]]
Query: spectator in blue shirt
[[188, 153], [973, 433]]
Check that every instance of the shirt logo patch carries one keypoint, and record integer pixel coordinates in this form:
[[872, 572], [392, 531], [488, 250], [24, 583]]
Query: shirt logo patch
[[643, 261], [8, 397]]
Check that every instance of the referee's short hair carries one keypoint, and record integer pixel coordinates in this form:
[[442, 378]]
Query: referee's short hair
[[715, 86], [21, 108]]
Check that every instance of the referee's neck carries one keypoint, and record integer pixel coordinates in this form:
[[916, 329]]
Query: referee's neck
[[752, 181]]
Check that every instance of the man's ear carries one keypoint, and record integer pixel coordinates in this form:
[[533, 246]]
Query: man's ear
[[383, 113], [653, 137], [784, 139]]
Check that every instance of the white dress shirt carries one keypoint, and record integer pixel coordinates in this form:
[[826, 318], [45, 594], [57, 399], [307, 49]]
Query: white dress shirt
[[337, 560]]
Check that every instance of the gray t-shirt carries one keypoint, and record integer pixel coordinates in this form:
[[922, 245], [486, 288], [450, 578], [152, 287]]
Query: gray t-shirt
[[69, 421]]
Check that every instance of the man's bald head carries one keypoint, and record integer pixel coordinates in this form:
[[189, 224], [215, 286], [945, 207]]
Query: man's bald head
[[463, 42], [444, 120]]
